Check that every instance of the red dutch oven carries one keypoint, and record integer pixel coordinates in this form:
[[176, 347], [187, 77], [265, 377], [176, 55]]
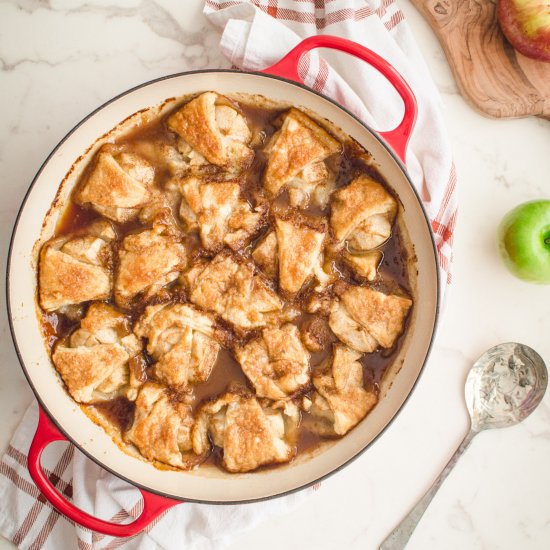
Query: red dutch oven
[[60, 416]]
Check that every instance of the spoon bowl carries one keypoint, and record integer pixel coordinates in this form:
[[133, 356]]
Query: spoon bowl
[[504, 386]]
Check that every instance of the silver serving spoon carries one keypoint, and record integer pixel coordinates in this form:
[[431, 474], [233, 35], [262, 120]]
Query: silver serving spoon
[[504, 387]]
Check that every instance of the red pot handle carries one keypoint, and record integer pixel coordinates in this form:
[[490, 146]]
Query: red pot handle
[[398, 138], [153, 505]]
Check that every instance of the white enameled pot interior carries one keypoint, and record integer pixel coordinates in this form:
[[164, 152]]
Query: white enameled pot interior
[[209, 484]]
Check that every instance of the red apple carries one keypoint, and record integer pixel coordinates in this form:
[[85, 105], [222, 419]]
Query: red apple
[[526, 25]]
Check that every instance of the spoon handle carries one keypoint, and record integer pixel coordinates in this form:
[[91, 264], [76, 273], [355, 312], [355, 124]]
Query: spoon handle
[[399, 537]]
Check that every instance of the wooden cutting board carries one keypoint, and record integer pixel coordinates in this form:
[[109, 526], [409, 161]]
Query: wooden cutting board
[[491, 75]]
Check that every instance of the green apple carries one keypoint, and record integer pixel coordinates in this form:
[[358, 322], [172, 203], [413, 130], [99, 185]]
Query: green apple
[[524, 241]]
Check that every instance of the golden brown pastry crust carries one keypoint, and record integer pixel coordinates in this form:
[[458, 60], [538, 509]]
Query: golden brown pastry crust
[[76, 269], [381, 314], [265, 255], [94, 363], [103, 322], [299, 244], [212, 125], [229, 287], [363, 211], [365, 265], [277, 363], [300, 145], [249, 434], [175, 159], [349, 331], [84, 369], [341, 401], [218, 212], [148, 261], [162, 428], [365, 319], [180, 339], [118, 185]]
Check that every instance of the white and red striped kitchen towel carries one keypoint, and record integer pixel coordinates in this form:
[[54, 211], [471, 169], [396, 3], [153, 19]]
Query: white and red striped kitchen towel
[[256, 34]]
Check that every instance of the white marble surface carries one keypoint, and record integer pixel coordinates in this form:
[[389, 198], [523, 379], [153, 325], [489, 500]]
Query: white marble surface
[[59, 59]]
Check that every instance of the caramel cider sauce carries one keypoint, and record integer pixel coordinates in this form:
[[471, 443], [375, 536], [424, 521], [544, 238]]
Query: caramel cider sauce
[[351, 162], [55, 327], [119, 411], [307, 440], [75, 218], [226, 371]]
